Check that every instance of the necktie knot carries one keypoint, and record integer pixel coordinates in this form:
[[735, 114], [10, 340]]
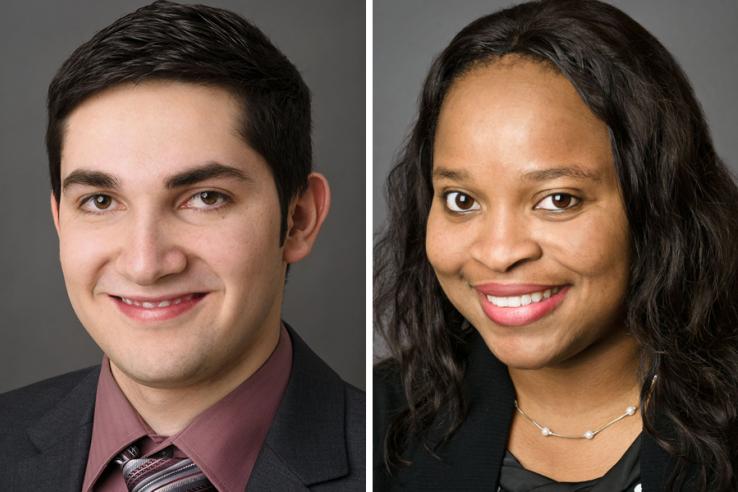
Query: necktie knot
[[161, 474]]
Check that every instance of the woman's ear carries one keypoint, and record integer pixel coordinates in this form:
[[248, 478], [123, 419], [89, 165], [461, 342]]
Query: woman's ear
[[306, 215]]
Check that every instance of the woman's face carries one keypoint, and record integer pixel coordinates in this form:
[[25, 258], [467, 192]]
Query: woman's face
[[527, 232]]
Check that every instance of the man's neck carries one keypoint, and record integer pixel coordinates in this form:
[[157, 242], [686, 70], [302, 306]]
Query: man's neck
[[168, 410]]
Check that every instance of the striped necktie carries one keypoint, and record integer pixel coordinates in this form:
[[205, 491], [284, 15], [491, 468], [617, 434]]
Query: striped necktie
[[161, 474]]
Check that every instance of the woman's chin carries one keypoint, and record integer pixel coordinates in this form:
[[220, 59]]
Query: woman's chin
[[521, 354], [528, 362]]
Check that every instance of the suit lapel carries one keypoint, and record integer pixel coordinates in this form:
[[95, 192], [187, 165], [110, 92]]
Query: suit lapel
[[472, 459], [271, 473], [306, 443], [489, 385], [62, 438]]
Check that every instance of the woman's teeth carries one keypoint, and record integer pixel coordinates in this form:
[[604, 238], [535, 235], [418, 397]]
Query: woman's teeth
[[524, 300], [161, 304]]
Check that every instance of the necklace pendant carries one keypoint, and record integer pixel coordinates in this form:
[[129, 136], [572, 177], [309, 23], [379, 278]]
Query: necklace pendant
[[589, 435], [546, 431]]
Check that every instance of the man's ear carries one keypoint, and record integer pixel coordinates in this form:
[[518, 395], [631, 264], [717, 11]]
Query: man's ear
[[306, 215], [55, 212]]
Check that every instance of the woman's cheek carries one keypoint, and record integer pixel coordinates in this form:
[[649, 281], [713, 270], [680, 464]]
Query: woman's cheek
[[594, 246], [443, 246]]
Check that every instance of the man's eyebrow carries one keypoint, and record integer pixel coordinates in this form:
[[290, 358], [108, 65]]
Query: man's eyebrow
[[440, 172], [99, 179], [560, 172], [95, 179], [202, 173]]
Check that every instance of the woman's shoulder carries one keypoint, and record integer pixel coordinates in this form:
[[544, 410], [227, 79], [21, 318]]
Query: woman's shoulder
[[388, 380], [389, 395], [388, 400]]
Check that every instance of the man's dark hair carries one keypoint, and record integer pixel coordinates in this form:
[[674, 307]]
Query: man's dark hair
[[202, 45]]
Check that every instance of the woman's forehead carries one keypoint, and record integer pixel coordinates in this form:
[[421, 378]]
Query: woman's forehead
[[522, 114]]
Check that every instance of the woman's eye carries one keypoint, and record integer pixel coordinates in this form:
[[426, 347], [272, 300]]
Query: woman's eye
[[207, 200], [459, 202], [558, 202], [97, 203]]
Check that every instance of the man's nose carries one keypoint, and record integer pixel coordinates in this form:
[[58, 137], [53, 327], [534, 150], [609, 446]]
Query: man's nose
[[504, 241], [151, 251]]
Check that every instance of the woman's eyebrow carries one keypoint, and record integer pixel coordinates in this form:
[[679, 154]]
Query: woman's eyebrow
[[560, 172], [445, 173]]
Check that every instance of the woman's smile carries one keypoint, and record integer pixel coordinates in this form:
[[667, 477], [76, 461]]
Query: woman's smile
[[519, 304]]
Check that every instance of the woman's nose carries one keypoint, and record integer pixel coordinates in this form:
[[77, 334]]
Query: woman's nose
[[505, 241]]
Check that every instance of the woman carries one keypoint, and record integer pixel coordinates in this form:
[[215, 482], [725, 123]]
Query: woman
[[556, 281]]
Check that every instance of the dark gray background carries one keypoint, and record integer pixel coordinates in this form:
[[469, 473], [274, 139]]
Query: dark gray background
[[702, 35], [39, 333]]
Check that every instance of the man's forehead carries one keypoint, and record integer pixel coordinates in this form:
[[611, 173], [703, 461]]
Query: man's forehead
[[162, 119], [164, 132]]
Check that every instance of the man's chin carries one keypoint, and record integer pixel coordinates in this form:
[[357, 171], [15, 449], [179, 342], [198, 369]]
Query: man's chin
[[159, 372]]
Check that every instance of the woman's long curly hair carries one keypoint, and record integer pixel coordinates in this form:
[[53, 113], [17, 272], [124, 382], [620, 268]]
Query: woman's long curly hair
[[682, 207]]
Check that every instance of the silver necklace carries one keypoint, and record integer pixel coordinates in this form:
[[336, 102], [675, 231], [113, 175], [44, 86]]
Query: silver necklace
[[590, 434]]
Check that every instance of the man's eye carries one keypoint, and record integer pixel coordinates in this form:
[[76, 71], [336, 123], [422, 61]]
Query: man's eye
[[207, 200], [97, 203], [558, 202], [459, 202]]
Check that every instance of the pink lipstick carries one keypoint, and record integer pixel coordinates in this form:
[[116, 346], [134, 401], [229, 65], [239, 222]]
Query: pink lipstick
[[519, 304]]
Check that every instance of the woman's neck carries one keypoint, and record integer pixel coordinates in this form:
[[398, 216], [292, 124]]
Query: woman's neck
[[596, 382], [582, 394]]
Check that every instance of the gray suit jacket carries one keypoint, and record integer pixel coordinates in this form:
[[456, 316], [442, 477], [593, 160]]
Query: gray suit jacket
[[316, 441]]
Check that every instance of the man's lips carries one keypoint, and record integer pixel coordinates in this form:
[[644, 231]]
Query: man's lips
[[163, 301], [147, 309]]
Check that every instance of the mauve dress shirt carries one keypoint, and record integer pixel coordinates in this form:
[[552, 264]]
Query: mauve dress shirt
[[223, 441]]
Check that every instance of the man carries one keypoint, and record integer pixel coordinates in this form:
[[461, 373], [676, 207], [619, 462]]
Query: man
[[179, 151]]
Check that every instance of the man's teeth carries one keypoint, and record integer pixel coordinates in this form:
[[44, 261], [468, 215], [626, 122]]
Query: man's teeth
[[162, 304], [524, 300]]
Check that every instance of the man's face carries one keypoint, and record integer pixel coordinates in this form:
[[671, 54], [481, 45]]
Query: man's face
[[169, 232]]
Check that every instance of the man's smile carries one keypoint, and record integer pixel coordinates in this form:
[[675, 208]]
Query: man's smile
[[163, 308]]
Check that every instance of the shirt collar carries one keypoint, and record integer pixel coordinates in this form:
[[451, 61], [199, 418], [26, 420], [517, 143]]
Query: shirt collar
[[223, 441]]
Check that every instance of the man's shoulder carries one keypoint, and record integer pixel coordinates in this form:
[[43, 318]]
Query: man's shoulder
[[355, 439], [26, 404], [355, 404], [323, 417], [355, 418], [314, 380]]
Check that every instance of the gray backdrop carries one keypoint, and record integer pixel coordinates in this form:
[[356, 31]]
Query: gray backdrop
[[702, 35], [39, 333]]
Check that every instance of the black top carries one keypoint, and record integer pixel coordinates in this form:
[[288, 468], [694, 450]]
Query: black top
[[624, 476], [473, 458]]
